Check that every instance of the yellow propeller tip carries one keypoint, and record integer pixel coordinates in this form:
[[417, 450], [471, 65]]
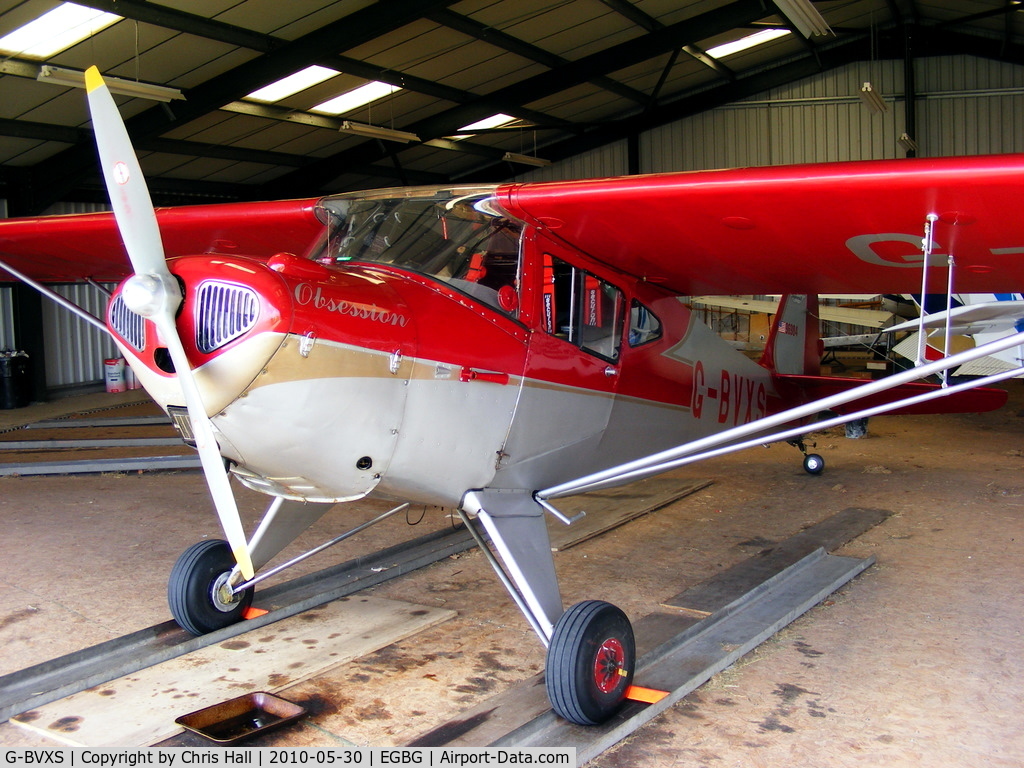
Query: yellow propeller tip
[[93, 79], [244, 563]]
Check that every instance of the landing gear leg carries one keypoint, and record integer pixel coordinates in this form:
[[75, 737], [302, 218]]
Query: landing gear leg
[[197, 590], [813, 463], [591, 653]]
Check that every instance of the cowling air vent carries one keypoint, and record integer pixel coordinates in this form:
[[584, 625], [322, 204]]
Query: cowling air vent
[[223, 312], [128, 325]]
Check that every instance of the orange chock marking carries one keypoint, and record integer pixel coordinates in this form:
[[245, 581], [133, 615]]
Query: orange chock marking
[[645, 695], [253, 613]]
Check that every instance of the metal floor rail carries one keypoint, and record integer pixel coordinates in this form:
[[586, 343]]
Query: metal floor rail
[[52, 680], [687, 661]]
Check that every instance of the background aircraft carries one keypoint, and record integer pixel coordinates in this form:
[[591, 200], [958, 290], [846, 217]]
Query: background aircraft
[[965, 321], [493, 349]]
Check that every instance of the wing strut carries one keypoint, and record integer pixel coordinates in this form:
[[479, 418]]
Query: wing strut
[[49, 293], [697, 449]]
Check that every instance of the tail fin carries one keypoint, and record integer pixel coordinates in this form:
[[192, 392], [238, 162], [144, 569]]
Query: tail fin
[[794, 342]]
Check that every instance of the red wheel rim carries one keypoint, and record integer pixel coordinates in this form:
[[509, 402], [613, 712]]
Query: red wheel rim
[[608, 665]]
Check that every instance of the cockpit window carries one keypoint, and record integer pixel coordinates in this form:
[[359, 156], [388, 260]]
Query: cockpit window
[[456, 236], [644, 325], [582, 309]]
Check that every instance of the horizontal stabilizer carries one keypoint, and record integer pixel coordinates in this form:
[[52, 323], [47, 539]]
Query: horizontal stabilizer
[[990, 317], [808, 388]]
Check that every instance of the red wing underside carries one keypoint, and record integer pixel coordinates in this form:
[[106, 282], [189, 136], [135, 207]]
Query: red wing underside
[[828, 228], [805, 389], [71, 248]]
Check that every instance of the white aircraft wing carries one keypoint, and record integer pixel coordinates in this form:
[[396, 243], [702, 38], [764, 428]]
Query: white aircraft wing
[[871, 318]]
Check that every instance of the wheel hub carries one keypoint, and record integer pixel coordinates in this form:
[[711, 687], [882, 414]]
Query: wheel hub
[[223, 599], [609, 665]]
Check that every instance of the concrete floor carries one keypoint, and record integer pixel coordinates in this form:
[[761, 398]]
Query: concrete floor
[[917, 662]]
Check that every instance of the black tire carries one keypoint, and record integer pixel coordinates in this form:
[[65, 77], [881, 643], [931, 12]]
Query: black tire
[[814, 464], [191, 588], [590, 662]]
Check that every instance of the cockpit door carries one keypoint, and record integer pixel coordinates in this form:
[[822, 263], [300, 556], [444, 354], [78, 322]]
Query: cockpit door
[[572, 370]]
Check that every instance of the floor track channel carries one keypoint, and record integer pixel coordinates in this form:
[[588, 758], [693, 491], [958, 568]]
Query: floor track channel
[[52, 680]]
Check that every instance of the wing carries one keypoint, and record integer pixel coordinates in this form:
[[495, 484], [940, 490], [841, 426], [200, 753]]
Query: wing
[[828, 228], [870, 318], [988, 317], [69, 248]]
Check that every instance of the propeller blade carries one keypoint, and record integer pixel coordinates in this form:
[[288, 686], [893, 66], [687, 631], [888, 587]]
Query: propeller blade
[[153, 292], [126, 186], [206, 444]]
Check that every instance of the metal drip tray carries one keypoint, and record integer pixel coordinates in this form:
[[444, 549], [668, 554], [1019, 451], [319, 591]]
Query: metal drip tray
[[236, 719]]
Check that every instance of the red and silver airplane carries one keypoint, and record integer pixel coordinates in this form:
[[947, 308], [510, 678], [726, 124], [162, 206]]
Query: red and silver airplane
[[495, 348]]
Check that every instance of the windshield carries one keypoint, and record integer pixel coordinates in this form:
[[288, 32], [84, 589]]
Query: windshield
[[456, 236]]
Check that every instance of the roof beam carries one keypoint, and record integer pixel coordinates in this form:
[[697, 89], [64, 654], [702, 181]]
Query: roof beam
[[192, 24], [628, 10], [561, 78], [188, 23], [57, 175], [651, 24], [499, 39], [640, 49], [929, 41]]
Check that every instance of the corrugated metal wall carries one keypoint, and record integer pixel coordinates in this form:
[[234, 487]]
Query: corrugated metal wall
[[6, 304], [75, 349], [6, 319], [611, 160], [970, 107], [965, 106]]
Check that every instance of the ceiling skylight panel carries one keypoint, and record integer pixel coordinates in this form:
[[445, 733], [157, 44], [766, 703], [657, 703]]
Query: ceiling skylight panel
[[289, 86], [744, 43], [56, 31], [356, 98], [494, 121]]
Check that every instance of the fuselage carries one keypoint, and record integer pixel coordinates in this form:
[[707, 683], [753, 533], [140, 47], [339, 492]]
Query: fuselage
[[431, 344]]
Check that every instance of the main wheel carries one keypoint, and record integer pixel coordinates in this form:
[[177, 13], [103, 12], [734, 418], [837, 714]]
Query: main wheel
[[814, 464], [196, 589], [590, 662]]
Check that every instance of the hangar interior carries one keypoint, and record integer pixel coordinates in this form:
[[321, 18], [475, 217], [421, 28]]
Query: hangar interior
[[918, 660]]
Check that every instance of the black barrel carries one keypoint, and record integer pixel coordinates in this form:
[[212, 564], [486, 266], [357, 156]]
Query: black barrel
[[15, 382]]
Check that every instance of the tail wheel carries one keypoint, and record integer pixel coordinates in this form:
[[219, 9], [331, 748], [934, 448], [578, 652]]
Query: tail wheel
[[814, 464], [197, 588], [590, 662]]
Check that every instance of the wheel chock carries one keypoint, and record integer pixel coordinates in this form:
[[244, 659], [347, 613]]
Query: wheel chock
[[253, 613], [645, 695]]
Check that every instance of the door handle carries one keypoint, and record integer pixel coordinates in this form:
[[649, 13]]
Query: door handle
[[470, 374]]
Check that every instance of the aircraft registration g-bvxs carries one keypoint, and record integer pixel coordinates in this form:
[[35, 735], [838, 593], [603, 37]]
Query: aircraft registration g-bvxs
[[492, 349]]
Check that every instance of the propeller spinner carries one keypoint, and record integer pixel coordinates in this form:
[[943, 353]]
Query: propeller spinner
[[153, 292]]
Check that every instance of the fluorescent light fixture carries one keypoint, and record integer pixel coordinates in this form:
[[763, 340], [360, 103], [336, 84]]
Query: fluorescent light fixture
[[907, 143], [356, 98], [56, 30], [750, 41], [871, 98], [804, 17], [74, 78], [512, 157], [289, 86], [377, 132]]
